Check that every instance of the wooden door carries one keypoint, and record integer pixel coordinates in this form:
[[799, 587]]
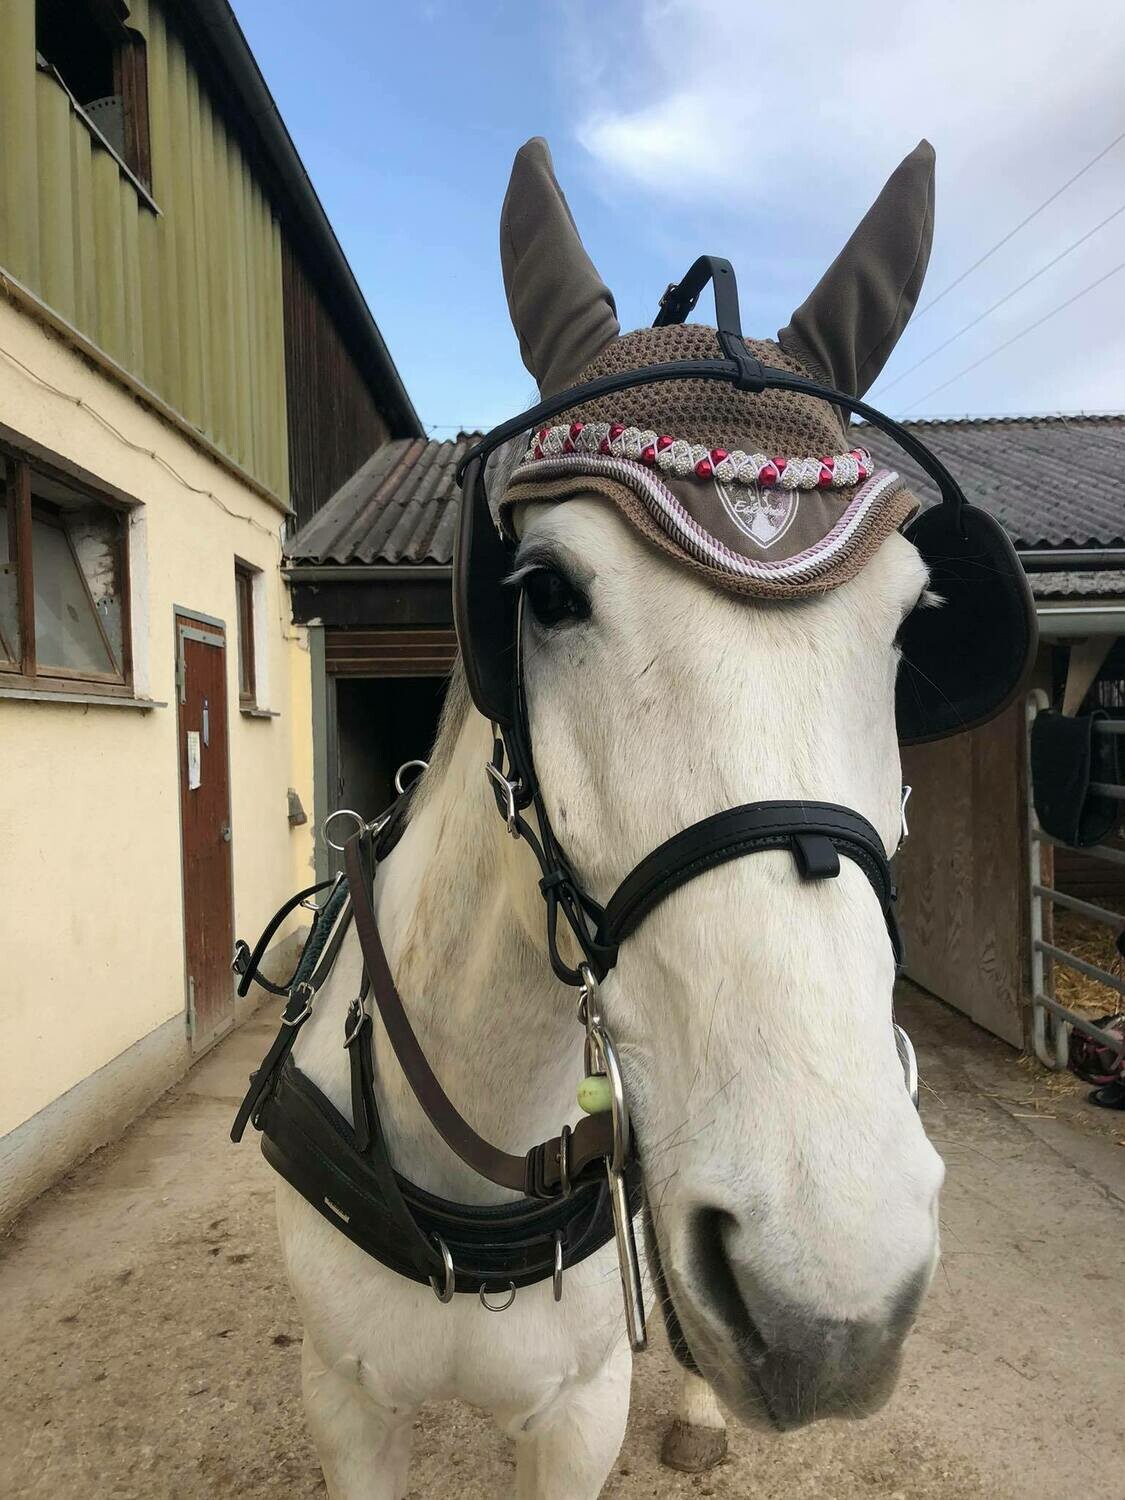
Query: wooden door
[[201, 676], [962, 874]]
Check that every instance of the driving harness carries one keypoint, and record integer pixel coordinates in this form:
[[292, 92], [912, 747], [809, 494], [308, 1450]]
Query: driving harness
[[582, 1187]]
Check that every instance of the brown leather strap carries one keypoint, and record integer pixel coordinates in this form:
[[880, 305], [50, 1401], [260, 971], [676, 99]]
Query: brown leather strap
[[540, 1173]]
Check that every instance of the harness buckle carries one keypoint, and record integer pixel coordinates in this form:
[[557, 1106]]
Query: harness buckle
[[506, 793], [305, 992], [240, 963], [357, 1014]]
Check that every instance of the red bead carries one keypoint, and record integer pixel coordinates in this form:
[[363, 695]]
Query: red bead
[[576, 428], [648, 455], [717, 456], [568, 446], [538, 451], [825, 478], [864, 471], [616, 430], [603, 446], [768, 474], [856, 453], [703, 468], [779, 464], [663, 442]]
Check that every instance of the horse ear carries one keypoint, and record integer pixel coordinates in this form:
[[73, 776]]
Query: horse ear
[[562, 311], [848, 327]]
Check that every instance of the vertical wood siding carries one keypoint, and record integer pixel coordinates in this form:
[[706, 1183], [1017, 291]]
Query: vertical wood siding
[[334, 423], [188, 301]]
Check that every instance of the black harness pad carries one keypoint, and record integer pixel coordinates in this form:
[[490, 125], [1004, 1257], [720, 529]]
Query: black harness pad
[[310, 1143]]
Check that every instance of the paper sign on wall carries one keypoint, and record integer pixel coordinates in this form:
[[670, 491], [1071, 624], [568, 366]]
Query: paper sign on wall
[[193, 761]]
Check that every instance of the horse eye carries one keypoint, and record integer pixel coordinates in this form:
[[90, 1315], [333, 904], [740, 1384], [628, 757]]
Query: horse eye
[[553, 599]]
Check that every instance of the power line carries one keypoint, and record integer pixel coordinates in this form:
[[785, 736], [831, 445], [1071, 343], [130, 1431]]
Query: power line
[[1006, 298], [1031, 327], [924, 309]]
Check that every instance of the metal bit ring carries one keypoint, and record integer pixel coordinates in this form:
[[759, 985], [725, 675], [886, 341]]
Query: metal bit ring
[[449, 1286]]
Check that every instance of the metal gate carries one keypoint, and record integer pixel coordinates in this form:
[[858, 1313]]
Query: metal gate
[[1052, 1022]]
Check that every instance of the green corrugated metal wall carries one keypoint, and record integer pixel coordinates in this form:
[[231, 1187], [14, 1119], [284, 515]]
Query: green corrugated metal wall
[[188, 301]]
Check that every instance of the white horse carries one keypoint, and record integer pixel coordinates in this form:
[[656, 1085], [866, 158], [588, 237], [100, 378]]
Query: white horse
[[791, 1191]]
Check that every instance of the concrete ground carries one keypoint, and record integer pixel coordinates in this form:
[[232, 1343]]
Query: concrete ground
[[150, 1347]]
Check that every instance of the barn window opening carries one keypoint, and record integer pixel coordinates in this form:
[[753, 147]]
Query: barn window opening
[[63, 582], [100, 61], [244, 597]]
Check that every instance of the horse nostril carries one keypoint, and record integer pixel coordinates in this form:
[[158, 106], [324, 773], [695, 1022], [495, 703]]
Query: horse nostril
[[716, 1278], [804, 1364]]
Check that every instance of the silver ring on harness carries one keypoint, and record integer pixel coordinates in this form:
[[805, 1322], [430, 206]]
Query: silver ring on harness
[[408, 765], [498, 1306], [341, 812], [445, 1292]]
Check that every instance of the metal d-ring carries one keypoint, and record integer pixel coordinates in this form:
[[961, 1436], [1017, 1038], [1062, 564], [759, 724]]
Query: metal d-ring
[[341, 812], [497, 1306], [557, 1273], [445, 1292], [408, 765]]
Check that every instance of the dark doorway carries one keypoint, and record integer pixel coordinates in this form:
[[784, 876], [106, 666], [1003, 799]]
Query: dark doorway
[[381, 723]]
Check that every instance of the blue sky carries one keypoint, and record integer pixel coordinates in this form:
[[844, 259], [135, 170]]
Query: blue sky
[[759, 132]]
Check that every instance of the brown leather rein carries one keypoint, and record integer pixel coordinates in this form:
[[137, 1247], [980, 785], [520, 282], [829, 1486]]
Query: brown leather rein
[[547, 1169]]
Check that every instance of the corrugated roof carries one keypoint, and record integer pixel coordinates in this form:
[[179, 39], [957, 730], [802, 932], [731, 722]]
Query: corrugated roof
[[1103, 585], [1052, 481], [401, 507]]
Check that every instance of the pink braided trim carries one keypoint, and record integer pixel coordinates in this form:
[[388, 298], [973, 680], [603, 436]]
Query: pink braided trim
[[676, 456]]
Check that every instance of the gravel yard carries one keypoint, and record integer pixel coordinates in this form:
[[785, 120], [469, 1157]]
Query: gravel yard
[[150, 1346]]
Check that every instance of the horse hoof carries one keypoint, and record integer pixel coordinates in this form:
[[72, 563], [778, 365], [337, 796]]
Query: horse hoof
[[693, 1450]]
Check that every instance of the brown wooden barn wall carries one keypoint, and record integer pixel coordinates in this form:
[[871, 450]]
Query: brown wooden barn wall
[[334, 422], [390, 653], [962, 873]]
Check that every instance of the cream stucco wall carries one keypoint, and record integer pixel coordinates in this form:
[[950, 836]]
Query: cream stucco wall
[[91, 922]]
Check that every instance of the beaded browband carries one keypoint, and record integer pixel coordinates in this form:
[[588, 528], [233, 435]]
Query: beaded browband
[[678, 457]]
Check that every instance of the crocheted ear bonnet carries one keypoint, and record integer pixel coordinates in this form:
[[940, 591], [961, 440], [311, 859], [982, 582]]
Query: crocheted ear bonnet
[[763, 494]]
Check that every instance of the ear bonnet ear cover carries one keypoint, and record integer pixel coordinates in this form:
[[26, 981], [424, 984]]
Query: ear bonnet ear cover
[[757, 489], [966, 659]]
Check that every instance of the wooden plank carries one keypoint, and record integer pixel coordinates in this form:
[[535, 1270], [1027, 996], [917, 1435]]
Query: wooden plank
[[161, 293], [19, 148], [334, 421], [962, 873], [56, 260], [200, 209], [181, 219], [1001, 976], [82, 226], [130, 273]]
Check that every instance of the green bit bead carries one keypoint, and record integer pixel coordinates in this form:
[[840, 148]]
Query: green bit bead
[[594, 1094]]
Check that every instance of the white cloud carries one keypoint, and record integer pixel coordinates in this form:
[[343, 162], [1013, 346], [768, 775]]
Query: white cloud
[[779, 123]]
